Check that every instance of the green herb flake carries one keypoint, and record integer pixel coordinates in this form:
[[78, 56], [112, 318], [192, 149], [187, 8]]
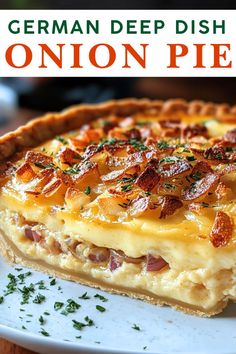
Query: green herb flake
[[61, 140], [100, 308], [78, 325], [46, 313], [23, 327], [126, 188], [1, 299], [53, 282], [84, 296], [71, 307], [41, 320], [137, 328], [89, 321], [58, 305], [87, 190], [191, 158], [100, 297], [162, 145], [39, 299], [44, 333]]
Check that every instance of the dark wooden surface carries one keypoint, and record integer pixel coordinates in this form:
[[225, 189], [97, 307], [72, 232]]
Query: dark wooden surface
[[9, 348]]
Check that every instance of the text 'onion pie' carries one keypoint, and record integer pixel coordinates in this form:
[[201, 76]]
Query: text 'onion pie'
[[135, 197]]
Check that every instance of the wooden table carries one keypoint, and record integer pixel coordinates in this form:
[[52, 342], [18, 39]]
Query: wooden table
[[9, 348]]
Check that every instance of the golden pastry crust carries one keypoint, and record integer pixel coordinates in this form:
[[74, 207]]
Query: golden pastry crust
[[51, 124]]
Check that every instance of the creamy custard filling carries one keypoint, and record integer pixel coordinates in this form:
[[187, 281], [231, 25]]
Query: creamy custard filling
[[206, 286]]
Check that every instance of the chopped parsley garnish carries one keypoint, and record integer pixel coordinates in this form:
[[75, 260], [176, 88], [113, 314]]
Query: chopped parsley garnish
[[100, 308], [62, 140], [46, 313], [87, 190], [53, 282], [162, 145], [23, 276], [137, 328], [26, 292], [18, 269], [191, 158], [78, 325], [41, 320], [39, 299], [78, 337], [58, 305], [196, 176], [89, 321], [1, 299], [12, 285], [126, 187], [72, 171], [169, 186], [126, 179], [100, 297], [23, 327], [71, 307], [138, 145], [44, 333], [205, 205], [84, 296], [41, 285]]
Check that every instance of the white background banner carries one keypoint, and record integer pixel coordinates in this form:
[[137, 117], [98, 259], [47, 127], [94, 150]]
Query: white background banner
[[117, 43]]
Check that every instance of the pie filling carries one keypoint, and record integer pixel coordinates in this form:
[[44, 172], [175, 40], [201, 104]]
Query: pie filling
[[142, 203]]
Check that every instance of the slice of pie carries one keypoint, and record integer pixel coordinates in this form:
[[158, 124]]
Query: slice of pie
[[136, 197]]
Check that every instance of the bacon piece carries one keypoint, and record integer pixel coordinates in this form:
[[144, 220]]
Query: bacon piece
[[155, 264], [133, 134], [38, 159], [222, 230], [25, 172], [193, 130], [173, 169], [116, 261], [52, 187], [69, 156], [99, 254], [200, 169], [32, 234], [169, 204], [215, 154], [230, 136], [139, 205], [199, 189], [148, 179]]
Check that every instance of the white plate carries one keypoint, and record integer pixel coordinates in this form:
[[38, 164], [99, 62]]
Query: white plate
[[162, 330]]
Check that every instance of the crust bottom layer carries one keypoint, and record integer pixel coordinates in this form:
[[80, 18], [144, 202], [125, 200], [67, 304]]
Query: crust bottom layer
[[11, 253]]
